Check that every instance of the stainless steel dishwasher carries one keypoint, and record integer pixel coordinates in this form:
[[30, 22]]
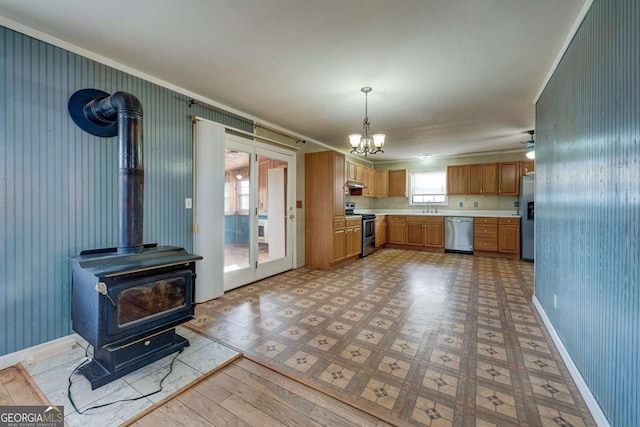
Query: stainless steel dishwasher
[[458, 234]]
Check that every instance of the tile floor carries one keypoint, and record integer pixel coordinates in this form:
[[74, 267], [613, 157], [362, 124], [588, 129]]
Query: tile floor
[[51, 375], [424, 338]]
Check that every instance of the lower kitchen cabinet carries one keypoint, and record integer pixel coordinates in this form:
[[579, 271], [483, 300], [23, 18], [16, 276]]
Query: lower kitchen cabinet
[[339, 240], [339, 245], [435, 232], [347, 239], [509, 236], [485, 234], [425, 231], [353, 237], [496, 237], [396, 229], [381, 230], [416, 232]]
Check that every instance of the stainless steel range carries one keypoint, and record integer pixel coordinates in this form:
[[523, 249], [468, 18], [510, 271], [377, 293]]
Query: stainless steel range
[[368, 229], [368, 234]]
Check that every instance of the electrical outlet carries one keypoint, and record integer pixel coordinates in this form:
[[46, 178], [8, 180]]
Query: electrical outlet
[[475, 204], [461, 204], [188, 203], [516, 204], [555, 301]]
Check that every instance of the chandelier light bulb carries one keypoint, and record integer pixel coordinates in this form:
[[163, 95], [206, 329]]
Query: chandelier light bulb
[[354, 140]]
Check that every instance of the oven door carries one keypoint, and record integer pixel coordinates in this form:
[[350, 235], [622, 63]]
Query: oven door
[[368, 236], [368, 228]]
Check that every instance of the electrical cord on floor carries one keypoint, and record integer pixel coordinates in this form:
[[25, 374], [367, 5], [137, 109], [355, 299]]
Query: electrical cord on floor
[[116, 401]]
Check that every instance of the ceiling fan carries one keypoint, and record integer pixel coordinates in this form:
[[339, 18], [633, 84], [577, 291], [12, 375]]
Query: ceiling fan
[[531, 145]]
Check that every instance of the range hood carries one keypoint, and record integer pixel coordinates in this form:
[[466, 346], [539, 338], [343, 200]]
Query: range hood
[[355, 184]]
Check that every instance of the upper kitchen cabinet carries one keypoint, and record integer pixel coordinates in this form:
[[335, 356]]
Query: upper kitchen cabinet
[[483, 179], [354, 171], [457, 180], [398, 183], [381, 187], [509, 178], [368, 179]]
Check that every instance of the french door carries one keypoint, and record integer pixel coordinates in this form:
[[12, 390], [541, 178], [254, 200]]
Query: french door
[[259, 216]]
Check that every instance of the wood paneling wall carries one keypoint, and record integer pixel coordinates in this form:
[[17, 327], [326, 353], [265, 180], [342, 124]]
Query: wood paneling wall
[[58, 184], [588, 205]]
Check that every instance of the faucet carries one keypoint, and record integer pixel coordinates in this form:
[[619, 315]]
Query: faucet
[[428, 205]]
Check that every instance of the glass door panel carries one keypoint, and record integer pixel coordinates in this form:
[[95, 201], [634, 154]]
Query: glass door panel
[[237, 210], [276, 212], [272, 215]]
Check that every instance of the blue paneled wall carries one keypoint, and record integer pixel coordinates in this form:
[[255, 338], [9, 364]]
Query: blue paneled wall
[[58, 184], [588, 205]]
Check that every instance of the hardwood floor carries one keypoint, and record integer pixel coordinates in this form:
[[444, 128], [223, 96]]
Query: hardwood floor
[[17, 388], [248, 394]]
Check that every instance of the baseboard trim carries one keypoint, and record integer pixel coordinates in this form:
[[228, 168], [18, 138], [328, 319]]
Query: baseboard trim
[[39, 351], [590, 400]]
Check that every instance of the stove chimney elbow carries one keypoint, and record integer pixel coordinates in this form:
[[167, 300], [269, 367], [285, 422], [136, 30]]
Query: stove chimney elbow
[[119, 114]]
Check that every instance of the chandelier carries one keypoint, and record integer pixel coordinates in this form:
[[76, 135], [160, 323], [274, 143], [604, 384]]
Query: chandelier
[[364, 143]]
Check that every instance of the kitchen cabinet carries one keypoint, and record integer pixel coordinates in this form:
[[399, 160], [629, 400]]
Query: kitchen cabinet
[[353, 171], [339, 245], [368, 179], [398, 183], [325, 233], [497, 237], [509, 236], [435, 232], [396, 229], [381, 230], [457, 180], [381, 187], [485, 234], [509, 178], [415, 232], [353, 237], [483, 179], [425, 231]]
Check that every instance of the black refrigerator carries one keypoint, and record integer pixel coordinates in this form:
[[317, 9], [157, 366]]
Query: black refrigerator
[[527, 222]]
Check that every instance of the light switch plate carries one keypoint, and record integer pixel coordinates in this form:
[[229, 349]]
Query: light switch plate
[[188, 203]]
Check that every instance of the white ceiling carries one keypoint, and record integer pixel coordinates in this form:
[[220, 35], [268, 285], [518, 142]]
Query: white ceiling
[[449, 76]]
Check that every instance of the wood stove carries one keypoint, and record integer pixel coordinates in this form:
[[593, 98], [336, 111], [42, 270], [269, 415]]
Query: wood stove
[[127, 307], [127, 301]]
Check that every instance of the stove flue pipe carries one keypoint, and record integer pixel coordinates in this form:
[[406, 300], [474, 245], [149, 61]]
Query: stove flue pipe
[[119, 114]]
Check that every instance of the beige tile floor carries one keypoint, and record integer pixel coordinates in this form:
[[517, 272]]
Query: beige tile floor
[[417, 337]]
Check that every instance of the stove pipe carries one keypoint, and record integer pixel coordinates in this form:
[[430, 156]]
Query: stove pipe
[[119, 114]]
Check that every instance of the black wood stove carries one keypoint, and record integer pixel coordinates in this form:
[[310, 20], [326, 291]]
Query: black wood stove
[[127, 301]]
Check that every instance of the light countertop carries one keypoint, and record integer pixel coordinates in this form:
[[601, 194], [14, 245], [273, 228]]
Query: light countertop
[[444, 212]]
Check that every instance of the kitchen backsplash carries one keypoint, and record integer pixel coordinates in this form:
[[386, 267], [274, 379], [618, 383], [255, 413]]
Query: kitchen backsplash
[[454, 203]]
